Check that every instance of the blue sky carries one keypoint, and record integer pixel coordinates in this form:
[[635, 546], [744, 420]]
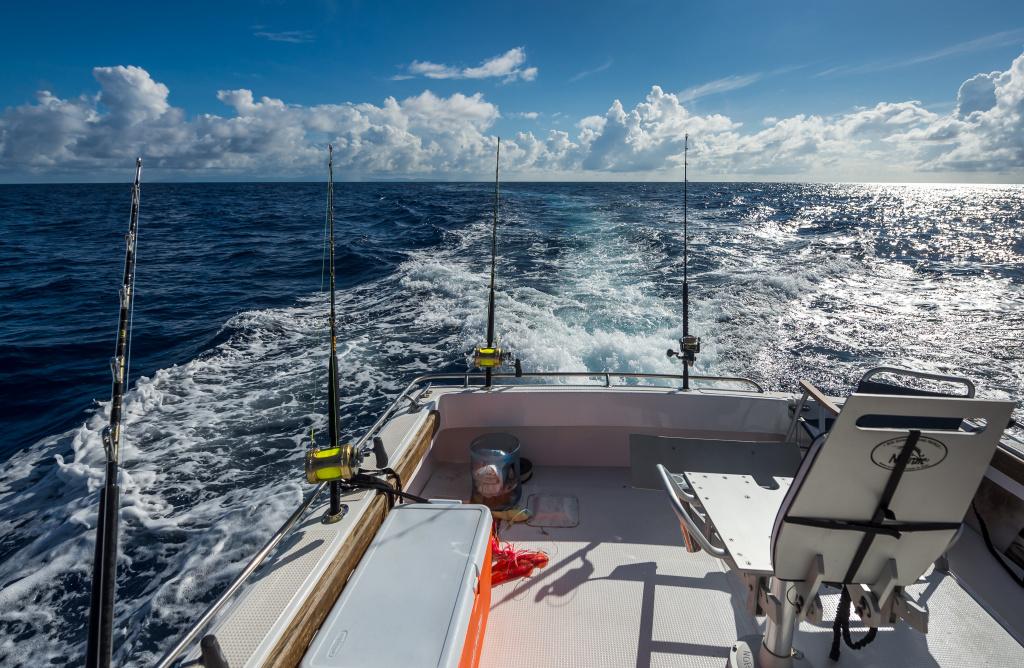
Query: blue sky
[[800, 91]]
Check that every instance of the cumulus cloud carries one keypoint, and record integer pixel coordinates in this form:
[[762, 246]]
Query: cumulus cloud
[[505, 66], [422, 135], [859, 143], [429, 136], [976, 94], [987, 131]]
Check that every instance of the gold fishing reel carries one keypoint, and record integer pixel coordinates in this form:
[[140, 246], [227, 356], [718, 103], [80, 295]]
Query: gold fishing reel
[[491, 358], [324, 464]]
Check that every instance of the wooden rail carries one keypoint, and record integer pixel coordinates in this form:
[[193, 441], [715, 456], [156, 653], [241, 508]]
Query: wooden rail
[[292, 646], [819, 397]]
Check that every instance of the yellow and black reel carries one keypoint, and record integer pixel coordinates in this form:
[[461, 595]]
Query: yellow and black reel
[[490, 358], [323, 464]]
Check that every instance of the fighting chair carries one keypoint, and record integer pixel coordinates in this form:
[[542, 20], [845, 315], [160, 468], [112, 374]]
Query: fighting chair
[[869, 509]]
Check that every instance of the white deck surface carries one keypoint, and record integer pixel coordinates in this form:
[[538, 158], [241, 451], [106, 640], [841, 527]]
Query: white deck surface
[[621, 590]]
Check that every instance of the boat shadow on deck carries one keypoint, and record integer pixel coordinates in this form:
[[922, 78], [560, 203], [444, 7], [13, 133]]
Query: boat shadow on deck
[[621, 590]]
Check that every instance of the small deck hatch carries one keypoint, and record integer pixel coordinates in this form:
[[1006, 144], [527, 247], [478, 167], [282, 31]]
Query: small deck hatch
[[553, 510]]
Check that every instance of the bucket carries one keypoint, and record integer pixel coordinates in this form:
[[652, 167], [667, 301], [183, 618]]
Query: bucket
[[494, 460]]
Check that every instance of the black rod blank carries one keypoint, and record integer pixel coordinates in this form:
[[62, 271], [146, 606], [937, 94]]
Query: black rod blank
[[686, 284], [333, 411], [100, 642], [494, 259]]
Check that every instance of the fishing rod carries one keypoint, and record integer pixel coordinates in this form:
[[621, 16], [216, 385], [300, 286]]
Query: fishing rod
[[334, 413], [338, 462], [489, 357], [689, 345], [99, 645]]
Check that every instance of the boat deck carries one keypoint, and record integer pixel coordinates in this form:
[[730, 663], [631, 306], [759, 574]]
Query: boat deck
[[621, 590]]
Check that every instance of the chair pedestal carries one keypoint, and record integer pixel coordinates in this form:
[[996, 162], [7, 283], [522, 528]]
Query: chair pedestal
[[749, 652], [775, 648]]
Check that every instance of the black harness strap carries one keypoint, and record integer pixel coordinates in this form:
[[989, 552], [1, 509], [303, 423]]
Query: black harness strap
[[894, 529], [842, 623]]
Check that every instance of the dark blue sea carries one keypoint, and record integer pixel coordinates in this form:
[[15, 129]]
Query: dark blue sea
[[788, 281]]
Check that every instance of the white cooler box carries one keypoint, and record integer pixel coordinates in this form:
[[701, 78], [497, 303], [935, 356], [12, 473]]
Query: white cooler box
[[418, 598]]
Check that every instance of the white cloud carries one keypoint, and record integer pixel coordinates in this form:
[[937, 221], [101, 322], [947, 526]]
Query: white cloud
[[426, 136], [854, 146], [987, 132], [719, 86], [505, 66], [292, 36], [976, 94], [587, 73], [999, 39], [646, 138]]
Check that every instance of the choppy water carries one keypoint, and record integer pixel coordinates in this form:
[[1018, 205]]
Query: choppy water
[[787, 282]]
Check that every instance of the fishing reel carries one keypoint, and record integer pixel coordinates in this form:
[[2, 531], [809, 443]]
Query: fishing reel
[[342, 462], [689, 346], [491, 358], [494, 358]]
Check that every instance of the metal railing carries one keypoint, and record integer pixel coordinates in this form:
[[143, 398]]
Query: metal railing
[[469, 377], [175, 655], [896, 371]]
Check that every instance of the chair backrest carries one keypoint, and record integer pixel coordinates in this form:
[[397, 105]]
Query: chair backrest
[[903, 421], [843, 478]]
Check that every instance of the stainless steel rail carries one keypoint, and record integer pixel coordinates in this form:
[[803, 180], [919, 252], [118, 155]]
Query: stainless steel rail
[[957, 380], [175, 654], [674, 491], [172, 656], [607, 375]]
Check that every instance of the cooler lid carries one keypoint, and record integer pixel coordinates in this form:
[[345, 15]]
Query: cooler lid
[[409, 602]]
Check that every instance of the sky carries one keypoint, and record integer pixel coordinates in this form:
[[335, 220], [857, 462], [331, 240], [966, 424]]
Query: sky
[[894, 91]]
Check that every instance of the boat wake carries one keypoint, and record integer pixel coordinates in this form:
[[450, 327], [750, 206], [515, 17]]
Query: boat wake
[[820, 282]]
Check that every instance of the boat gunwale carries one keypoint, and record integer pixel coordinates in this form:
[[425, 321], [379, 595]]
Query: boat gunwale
[[173, 657]]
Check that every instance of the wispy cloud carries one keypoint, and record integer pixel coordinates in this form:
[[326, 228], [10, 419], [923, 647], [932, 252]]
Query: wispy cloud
[[994, 41], [587, 73], [293, 36], [1005, 38], [719, 86], [506, 66], [530, 115]]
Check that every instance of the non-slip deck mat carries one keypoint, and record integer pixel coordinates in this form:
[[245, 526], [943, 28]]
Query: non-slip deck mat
[[621, 590]]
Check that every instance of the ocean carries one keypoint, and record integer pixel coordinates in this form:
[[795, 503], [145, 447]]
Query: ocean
[[229, 346]]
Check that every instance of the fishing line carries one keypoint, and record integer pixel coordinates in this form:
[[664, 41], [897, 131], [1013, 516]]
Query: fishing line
[[319, 333]]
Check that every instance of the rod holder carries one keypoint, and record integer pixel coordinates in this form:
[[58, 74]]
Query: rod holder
[[379, 453], [212, 656]]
